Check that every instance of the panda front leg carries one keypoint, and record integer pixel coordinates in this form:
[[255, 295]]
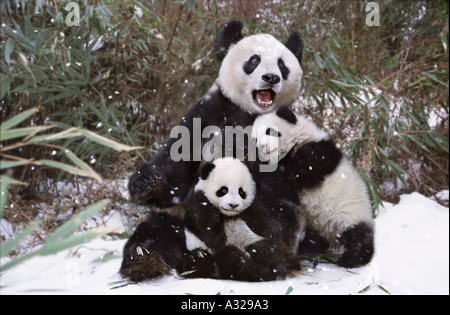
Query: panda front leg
[[197, 262], [234, 264], [154, 249], [358, 242], [269, 261]]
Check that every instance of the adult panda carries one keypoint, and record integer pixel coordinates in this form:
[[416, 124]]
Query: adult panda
[[257, 75], [334, 204]]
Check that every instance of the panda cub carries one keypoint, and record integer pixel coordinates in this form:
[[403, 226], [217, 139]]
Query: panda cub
[[334, 204], [224, 220]]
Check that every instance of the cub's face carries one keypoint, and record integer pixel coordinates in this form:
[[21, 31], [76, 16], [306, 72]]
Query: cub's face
[[273, 136], [228, 185], [259, 73]]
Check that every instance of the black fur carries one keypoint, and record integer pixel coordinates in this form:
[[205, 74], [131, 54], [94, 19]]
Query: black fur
[[311, 163], [251, 64], [359, 246], [313, 243], [285, 113], [229, 34], [154, 249], [261, 261], [265, 263], [295, 44], [307, 167], [197, 264], [155, 182], [206, 170], [208, 223], [284, 70], [164, 183]]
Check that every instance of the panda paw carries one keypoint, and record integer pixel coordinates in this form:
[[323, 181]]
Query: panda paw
[[146, 184], [140, 264], [196, 264]]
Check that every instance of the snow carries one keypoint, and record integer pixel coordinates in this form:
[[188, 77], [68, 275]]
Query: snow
[[412, 257]]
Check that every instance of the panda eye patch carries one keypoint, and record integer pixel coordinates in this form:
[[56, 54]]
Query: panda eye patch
[[222, 191], [273, 133], [242, 193], [283, 69], [251, 64]]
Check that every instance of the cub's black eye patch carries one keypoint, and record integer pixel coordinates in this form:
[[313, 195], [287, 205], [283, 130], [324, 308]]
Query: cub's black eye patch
[[222, 191], [251, 64], [242, 193], [273, 133], [284, 70]]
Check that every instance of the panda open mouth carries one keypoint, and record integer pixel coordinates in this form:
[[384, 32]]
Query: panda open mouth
[[264, 98]]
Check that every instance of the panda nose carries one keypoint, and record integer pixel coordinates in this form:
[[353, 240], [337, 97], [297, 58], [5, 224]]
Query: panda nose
[[232, 205], [271, 78]]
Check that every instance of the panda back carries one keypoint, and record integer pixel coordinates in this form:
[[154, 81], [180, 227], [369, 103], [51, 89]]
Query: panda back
[[340, 202]]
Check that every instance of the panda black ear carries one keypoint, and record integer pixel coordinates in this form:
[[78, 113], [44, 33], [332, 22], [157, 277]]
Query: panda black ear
[[285, 113], [206, 170], [230, 33], [295, 45]]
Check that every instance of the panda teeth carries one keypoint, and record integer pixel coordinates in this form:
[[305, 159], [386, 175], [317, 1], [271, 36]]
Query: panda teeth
[[264, 103]]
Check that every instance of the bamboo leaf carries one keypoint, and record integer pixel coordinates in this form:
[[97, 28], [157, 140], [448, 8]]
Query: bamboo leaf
[[68, 242], [73, 223], [14, 121], [8, 245], [21, 132], [68, 133], [4, 164], [82, 165], [432, 76], [106, 142], [5, 181], [62, 238], [68, 168], [289, 290]]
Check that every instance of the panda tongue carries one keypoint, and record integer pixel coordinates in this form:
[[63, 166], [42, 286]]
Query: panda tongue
[[264, 96]]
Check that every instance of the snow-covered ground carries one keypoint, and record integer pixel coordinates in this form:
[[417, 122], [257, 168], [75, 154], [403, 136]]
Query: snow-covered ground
[[412, 257]]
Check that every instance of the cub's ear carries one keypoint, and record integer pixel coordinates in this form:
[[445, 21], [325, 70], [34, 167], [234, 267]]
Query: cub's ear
[[206, 170], [230, 33], [295, 44], [285, 113]]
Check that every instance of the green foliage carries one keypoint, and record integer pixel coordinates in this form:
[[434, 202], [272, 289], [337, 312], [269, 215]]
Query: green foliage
[[132, 69], [61, 238]]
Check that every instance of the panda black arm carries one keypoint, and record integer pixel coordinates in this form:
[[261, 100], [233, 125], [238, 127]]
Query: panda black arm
[[311, 163], [205, 221], [260, 222]]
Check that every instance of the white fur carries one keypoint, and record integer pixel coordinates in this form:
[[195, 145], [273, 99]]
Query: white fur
[[238, 86], [193, 242], [239, 234], [233, 174], [340, 202]]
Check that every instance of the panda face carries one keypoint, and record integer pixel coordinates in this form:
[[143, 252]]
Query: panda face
[[278, 132], [228, 185], [259, 73], [274, 136]]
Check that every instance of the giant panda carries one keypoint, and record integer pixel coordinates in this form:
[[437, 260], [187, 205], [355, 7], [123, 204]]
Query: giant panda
[[335, 207], [223, 219], [258, 74]]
